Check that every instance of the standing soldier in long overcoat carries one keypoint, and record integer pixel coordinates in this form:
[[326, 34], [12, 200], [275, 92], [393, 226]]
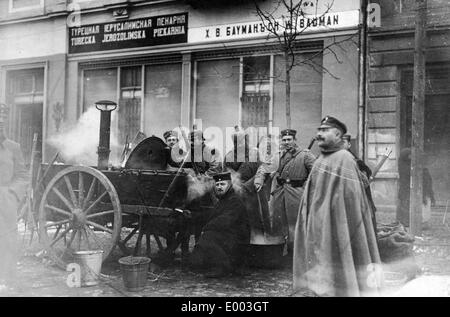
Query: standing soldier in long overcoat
[[294, 166], [335, 249], [13, 184]]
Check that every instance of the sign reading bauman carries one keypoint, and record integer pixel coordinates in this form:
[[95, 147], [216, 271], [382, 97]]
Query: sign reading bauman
[[151, 31], [306, 24]]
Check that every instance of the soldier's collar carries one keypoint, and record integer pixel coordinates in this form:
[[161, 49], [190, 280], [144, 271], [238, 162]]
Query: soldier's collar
[[336, 147]]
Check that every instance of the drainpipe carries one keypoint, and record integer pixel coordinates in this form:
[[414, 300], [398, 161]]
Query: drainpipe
[[362, 81]]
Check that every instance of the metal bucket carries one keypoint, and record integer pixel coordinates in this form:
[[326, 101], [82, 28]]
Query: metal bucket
[[134, 272], [90, 264]]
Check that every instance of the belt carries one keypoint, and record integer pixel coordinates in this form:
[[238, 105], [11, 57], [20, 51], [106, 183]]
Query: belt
[[292, 182]]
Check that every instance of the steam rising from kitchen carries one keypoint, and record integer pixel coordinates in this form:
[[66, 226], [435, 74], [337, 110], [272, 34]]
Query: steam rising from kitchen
[[78, 144]]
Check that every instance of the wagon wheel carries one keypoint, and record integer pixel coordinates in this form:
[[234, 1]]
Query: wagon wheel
[[79, 210], [132, 240]]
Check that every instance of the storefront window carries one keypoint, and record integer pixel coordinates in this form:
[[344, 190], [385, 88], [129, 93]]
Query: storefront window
[[130, 103], [217, 93], [306, 95], [256, 92], [162, 98], [30, 81], [99, 84]]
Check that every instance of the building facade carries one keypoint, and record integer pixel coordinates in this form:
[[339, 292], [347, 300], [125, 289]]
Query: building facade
[[389, 95], [32, 65], [170, 63]]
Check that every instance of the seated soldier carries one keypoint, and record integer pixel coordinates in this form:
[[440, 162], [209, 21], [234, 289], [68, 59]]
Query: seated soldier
[[221, 247]]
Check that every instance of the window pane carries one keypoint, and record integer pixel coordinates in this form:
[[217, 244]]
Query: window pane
[[130, 77], [27, 81], [99, 84], [306, 97], [256, 92], [162, 98], [218, 93], [130, 103], [39, 81], [256, 68], [24, 84]]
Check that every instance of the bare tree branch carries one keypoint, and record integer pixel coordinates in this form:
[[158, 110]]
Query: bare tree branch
[[285, 22]]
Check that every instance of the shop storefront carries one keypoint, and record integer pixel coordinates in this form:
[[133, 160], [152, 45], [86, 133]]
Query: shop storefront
[[173, 65], [169, 64]]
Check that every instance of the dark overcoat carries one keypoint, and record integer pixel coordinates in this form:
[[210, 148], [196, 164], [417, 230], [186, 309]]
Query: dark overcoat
[[294, 164], [224, 236]]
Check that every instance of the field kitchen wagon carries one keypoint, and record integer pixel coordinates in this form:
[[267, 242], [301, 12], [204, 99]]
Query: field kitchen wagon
[[96, 208]]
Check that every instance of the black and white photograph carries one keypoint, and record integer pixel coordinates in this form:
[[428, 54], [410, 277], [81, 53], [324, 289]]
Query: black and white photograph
[[224, 153]]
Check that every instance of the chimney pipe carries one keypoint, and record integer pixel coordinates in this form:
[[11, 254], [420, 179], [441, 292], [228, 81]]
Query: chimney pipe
[[105, 107]]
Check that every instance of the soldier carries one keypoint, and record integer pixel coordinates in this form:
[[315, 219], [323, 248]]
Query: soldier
[[13, 183], [177, 154], [242, 159], [225, 235], [367, 174], [171, 138], [361, 165], [205, 160], [335, 249], [293, 168]]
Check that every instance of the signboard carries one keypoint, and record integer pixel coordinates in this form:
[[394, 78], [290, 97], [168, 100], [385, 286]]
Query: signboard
[[158, 30], [307, 24]]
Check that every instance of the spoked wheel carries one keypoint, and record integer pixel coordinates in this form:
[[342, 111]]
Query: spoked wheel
[[132, 239], [79, 210]]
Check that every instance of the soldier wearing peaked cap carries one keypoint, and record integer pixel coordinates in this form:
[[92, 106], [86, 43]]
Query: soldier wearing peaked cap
[[289, 132], [13, 183], [293, 166], [332, 122], [177, 154], [335, 242], [204, 159], [221, 246], [171, 138], [222, 177]]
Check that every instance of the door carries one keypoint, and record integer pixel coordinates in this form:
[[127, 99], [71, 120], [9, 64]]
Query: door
[[29, 122], [436, 128]]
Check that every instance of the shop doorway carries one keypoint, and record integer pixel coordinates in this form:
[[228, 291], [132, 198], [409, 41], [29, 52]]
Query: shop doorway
[[29, 122], [25, 93], [436, 127]]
